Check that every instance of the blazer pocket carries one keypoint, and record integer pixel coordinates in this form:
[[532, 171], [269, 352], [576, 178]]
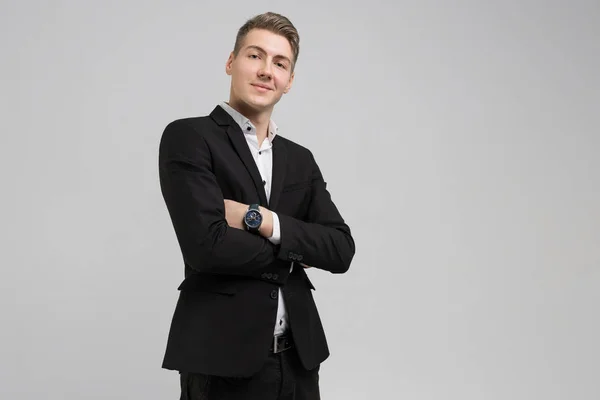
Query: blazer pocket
[[207, 284], [296, 186]]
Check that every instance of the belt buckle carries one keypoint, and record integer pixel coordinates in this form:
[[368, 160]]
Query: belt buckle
[[275, 344], [276, 347]]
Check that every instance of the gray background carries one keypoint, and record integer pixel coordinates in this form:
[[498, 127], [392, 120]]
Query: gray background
[[459, 139]]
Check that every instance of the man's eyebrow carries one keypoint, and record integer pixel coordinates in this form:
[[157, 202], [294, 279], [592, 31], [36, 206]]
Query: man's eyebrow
[[261, 50]]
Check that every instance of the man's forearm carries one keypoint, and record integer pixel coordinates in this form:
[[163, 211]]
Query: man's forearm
[[334, 245], [266, 228]]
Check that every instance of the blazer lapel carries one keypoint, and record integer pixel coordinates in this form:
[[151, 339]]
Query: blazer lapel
[[236, 136], [279, 168]]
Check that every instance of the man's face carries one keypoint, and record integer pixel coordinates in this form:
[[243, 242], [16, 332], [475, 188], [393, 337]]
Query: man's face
[[261, 72]]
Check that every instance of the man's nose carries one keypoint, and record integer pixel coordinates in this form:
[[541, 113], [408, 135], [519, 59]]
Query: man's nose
[[265, 70]]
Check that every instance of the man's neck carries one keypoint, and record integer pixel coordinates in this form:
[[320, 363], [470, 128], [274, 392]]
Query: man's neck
[[260, 120]]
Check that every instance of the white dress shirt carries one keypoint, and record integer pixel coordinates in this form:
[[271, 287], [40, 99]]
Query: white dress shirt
[[263, 156]]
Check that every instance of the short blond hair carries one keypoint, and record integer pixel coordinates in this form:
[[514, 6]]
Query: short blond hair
[[272, 22]]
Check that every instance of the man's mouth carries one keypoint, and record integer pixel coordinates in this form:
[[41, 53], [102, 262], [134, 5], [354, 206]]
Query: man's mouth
[[261, 88]]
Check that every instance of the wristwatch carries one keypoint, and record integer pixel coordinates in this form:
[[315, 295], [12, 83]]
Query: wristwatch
[[253, 218]]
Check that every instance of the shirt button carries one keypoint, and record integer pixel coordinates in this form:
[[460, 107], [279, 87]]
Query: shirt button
[[259, 153], [249, 128], [264, 182], [274, 294]]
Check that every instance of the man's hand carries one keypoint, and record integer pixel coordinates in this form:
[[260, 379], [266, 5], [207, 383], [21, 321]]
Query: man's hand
[[235, 212]]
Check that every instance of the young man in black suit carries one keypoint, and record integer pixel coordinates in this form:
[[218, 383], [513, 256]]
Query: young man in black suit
[[251, 212]]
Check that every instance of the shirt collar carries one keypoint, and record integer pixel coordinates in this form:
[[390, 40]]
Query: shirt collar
[[244, 122]]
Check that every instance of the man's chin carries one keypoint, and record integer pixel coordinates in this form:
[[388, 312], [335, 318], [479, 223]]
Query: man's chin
[[260, 104]]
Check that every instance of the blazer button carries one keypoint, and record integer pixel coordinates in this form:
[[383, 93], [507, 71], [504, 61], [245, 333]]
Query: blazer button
[[263, 275], [269, 275], [275, 276], [274, 294], [291, 255], [300, 257]]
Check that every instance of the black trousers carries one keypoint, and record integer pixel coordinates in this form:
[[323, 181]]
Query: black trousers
[[282, 377]]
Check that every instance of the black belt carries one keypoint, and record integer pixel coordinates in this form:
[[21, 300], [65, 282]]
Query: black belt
[[281, 343]]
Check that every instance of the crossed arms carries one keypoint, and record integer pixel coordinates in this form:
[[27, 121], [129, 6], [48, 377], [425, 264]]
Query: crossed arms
[[207, 230]]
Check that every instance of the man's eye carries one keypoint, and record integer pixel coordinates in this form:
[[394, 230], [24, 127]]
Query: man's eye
[[280, 65], [253, 55]]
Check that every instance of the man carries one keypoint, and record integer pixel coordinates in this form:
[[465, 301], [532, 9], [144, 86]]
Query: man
[[251, 213]]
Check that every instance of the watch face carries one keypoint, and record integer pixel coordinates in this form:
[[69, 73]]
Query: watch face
[[253, 219]]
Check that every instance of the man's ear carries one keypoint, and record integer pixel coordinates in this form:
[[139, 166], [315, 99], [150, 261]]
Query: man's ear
[[228, 63], [290, 82]]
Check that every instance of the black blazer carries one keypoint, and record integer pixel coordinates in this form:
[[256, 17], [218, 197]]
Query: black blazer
[[225, 315]]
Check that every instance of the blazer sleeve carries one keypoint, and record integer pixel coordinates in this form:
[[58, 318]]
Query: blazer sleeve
[[196, 206], [323, 240]]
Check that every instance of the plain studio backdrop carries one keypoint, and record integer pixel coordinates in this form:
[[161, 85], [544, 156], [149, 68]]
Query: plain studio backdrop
[[460, 140]]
